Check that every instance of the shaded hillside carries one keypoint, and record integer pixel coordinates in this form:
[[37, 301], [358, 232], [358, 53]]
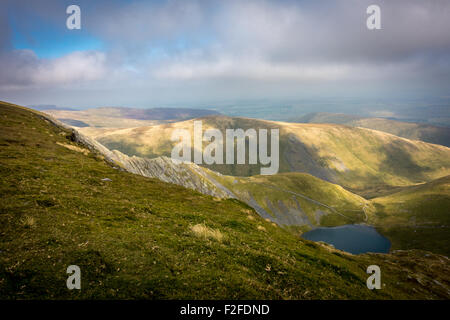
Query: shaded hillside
[[140, 238], [297, 199], [416, 217], [364, 161], [409, 130]]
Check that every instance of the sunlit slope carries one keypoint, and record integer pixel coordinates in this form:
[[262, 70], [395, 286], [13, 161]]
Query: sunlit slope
[[140, 238], [409, 130], [365, 161], [120, 117], [417, 217]]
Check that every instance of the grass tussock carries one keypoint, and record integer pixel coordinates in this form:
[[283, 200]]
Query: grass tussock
[[205, 232], [74, 148], [261, 228], [28, 222]]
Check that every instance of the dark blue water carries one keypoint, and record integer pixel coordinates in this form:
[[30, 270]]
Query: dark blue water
[[352, 238]]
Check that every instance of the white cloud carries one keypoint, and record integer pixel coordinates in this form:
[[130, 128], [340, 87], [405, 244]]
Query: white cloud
[[24, 69], [75, 67], [249, 68]]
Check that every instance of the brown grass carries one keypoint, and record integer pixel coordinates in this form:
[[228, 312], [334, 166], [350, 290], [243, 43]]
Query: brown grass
[[261, 228], [28, 221], [202, 231], [73, 148]]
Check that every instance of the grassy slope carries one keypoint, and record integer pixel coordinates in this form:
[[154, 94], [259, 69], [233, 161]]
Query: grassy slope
[[409, 130], [417, 217], [132, 239], [367, 162], [339, 205]]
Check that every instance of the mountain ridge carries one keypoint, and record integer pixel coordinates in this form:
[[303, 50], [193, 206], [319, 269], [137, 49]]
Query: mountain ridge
[[365, 161]]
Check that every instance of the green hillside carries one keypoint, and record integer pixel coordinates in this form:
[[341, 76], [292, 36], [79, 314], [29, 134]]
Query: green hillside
[[417, 217], [410, 130], [135, 237]]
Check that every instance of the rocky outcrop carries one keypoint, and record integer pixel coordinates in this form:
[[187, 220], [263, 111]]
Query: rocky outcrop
[[188, 175]]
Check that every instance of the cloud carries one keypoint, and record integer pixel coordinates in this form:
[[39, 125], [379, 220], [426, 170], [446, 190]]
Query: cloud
[[235, 68], [320, 41], [336, 30], [22, 68], [180, 48], [74, 67], [143, 22]]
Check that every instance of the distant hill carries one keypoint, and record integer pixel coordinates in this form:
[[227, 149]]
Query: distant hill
[[41, 107], [325, 117], [367, 162], [121, 117], [162, 113], [438, 114], [409, 130]]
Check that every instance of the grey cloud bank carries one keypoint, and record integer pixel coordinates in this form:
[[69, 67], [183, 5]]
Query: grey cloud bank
[[199, 51]]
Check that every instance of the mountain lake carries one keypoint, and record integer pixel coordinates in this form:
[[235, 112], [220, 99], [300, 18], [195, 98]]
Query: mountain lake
[[353, 238]]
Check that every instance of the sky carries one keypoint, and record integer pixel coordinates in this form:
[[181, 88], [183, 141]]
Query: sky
[[194, 52]]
